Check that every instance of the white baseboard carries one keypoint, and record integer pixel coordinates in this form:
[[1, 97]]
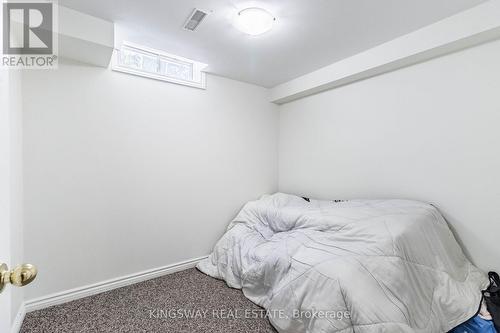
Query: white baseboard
[[97, 288], [18, 321]]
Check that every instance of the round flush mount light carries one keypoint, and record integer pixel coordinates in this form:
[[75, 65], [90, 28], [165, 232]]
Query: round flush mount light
[[254, 21]]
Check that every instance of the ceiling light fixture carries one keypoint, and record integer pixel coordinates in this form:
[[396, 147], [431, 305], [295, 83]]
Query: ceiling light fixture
[[254, 21]]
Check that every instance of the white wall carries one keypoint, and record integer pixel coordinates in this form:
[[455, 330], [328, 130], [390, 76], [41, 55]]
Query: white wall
[[124, 174], [428, 132]]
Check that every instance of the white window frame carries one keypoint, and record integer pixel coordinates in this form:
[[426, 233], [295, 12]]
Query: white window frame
[[199, 75]]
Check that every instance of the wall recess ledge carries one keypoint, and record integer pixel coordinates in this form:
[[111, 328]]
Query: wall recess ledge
[[472, 27], [85, 38]]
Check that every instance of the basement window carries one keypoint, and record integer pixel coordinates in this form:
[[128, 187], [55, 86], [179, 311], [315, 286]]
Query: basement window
[[154, 64]]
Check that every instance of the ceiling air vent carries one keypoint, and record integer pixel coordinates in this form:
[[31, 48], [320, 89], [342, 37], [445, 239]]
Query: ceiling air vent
[[195, 19]]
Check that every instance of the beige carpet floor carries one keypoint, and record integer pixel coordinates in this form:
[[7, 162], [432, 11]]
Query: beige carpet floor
[[188, 301]]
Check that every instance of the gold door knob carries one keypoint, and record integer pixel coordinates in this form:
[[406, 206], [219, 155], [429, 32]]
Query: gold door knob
[[19, 276]]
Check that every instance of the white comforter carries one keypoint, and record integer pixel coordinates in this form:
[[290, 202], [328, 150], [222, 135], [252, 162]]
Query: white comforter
[[354, 266]]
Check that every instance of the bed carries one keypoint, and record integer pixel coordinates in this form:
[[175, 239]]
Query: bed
[[348, 266]]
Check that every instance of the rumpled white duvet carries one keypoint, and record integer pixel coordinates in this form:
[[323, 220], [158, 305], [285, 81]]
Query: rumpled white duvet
[[352, 266]]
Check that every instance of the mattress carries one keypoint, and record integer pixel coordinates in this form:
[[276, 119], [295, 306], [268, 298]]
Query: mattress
[[348, 266]]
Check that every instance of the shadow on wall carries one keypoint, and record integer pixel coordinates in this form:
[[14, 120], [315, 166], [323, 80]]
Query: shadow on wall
[[451, 221]]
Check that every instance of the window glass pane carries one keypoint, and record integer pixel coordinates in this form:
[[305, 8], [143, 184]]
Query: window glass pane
[[176, 69], [159, 65], [150, 64], [137, 60]]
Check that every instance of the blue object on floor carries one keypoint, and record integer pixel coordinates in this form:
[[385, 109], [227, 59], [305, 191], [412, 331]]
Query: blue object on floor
[[475, 325]]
